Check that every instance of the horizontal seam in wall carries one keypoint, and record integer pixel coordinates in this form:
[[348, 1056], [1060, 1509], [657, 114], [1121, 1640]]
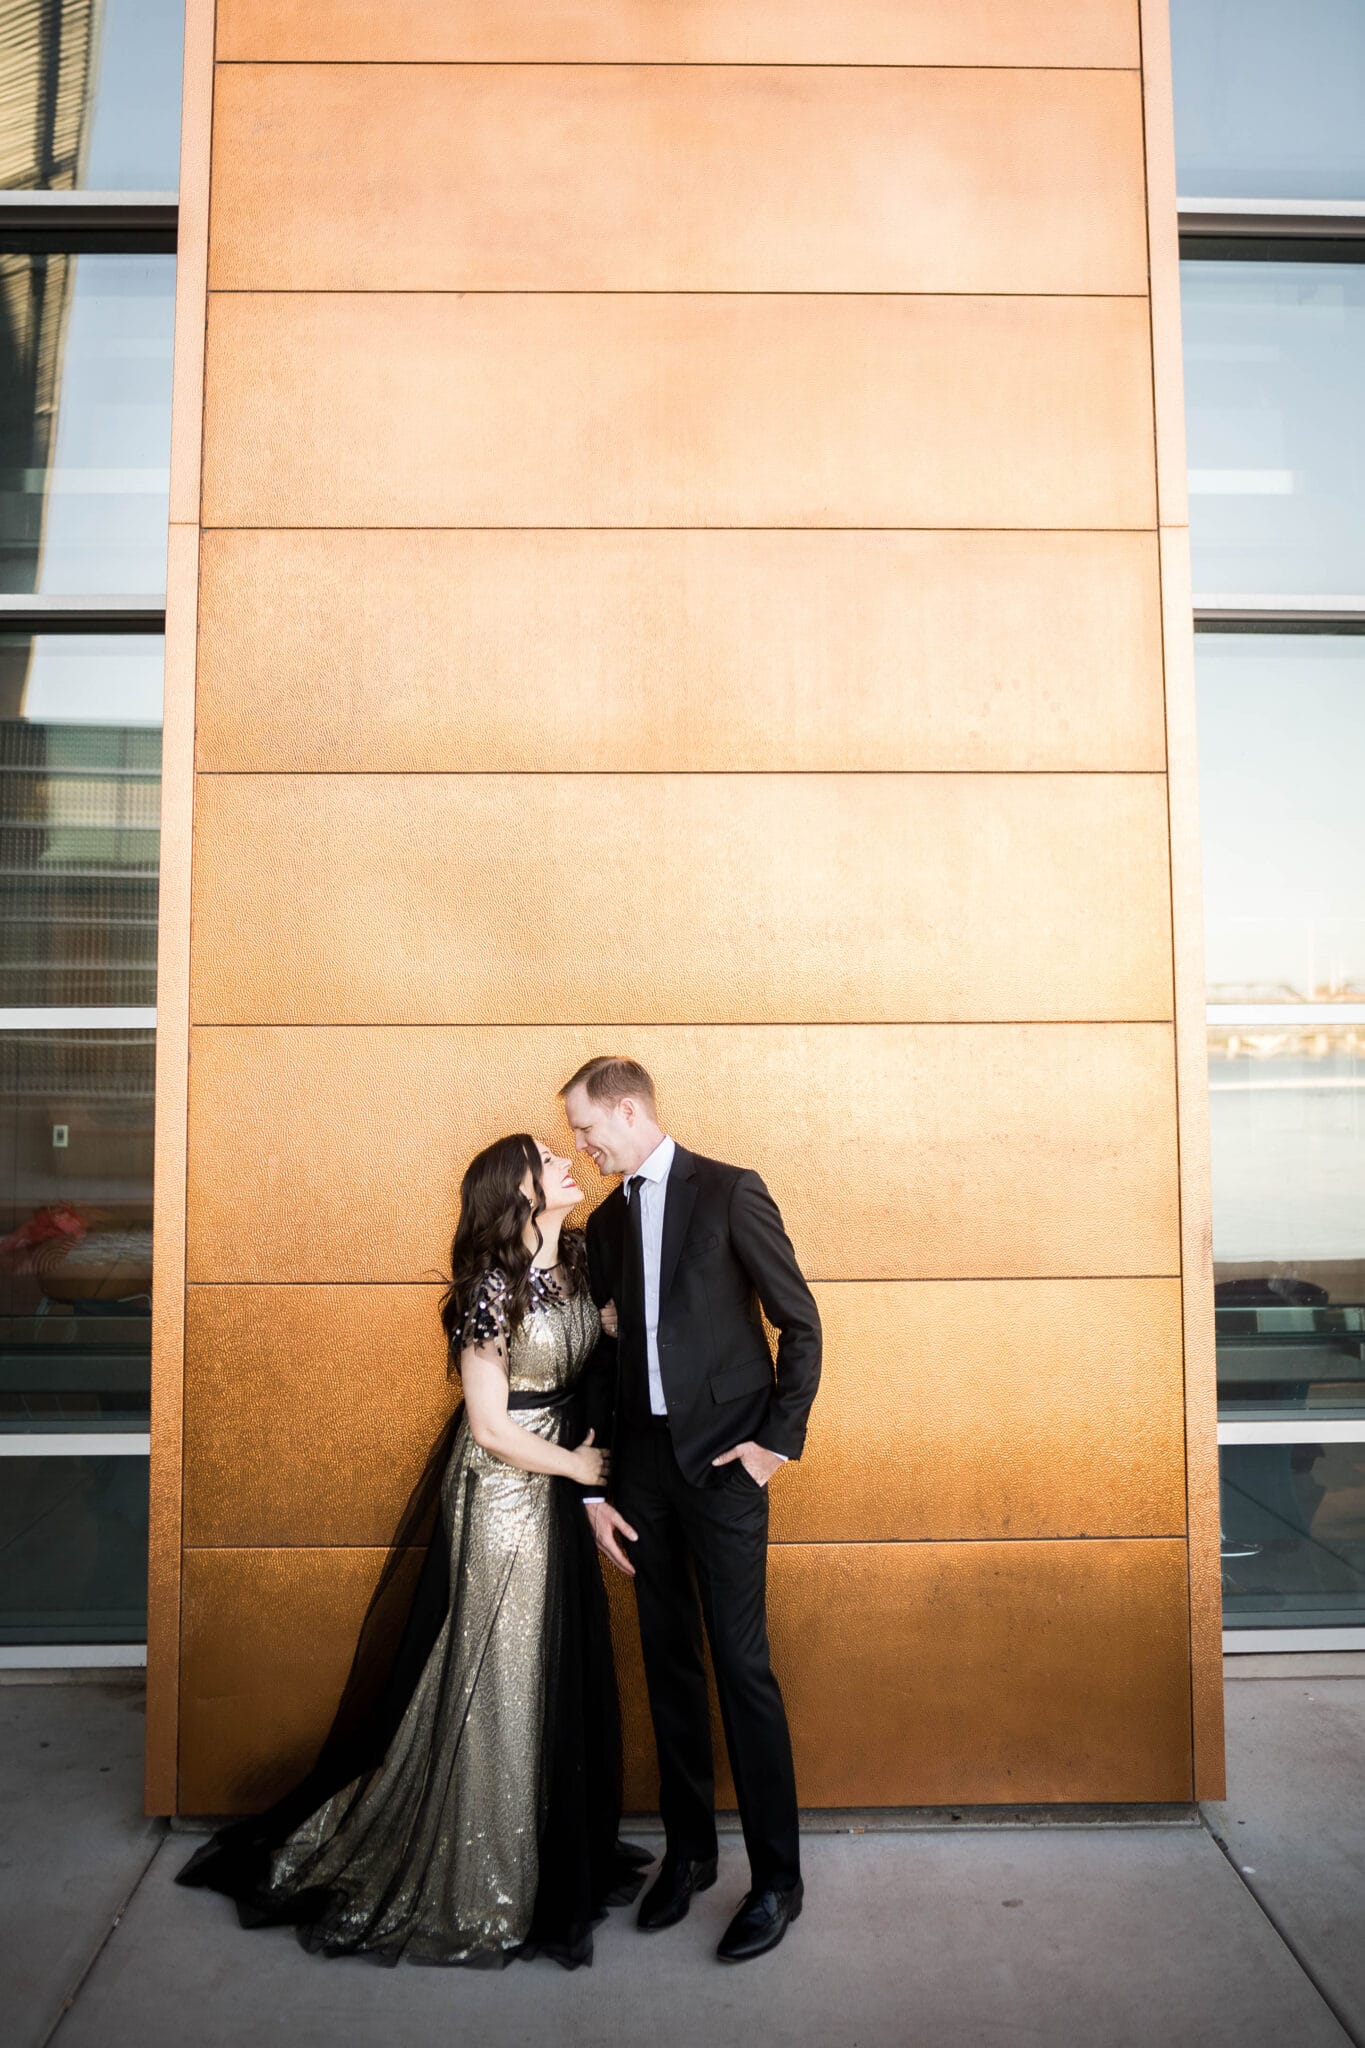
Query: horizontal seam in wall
[[776, 1543], [568, 291], [815, 1280], [652, 64], [520, 526], [206, 526], [198, 1023], [733, 774]]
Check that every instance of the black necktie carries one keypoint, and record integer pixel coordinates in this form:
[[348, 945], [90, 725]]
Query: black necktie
[[632, 1302]]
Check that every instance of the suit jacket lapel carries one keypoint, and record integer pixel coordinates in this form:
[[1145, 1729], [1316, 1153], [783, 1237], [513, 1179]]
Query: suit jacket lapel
[[679, 1202], [614, 1214]]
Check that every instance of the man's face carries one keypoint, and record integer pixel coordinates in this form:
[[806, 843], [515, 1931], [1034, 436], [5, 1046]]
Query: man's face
[[606, 1131]]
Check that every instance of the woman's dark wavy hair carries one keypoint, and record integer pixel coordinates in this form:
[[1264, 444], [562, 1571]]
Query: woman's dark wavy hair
[[491, 1234]]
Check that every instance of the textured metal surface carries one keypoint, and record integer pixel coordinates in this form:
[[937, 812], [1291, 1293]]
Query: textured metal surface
[[975, 1409], [895, 1151], [922, 1674], [934, 1175], [815, 898], [400, 650], [501, 409], [687, 31], [914, 1673], [1002, 1409], [578, 177], [308, 1411], [266, 1644]]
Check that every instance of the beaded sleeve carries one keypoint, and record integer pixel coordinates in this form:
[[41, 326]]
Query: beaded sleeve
[[486, 1317]]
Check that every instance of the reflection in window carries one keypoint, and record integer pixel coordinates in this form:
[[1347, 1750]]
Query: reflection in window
[[1275, 410], [75, 1229], [1282, 768], [80, 779], [1268, 98], [1293, 1518], [85, 413], [90, 95], [1287, 1124]]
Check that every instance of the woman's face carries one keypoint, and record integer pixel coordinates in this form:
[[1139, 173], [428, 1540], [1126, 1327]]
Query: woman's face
[[562, 1191]]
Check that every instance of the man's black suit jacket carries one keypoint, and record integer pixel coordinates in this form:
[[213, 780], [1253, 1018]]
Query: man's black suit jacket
[[726, 1261]]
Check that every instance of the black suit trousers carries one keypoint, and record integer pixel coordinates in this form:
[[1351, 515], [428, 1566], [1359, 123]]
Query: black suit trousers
[[701, 1555]]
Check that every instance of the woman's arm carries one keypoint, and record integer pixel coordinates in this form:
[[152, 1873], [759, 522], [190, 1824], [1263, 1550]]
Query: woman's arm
[[483, 1373]]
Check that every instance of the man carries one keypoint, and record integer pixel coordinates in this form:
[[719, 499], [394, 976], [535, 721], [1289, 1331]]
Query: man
[[693, 1253]]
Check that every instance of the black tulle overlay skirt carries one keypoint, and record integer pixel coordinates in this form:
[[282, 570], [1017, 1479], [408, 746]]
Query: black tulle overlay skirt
[[465, 1804]]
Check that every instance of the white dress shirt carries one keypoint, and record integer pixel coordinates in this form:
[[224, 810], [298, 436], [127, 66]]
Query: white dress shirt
[[651, 1193]]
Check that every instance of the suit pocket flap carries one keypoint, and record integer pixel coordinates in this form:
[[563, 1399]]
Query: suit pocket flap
[[745, 1378]]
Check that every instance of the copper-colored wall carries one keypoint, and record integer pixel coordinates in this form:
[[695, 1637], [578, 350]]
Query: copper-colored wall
[[675, 550]]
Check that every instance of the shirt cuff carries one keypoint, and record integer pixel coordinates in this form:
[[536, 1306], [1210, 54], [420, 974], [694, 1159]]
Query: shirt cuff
[[593, 1500]]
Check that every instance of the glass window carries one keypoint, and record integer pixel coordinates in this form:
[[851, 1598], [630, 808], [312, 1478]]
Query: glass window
[[1275, 422], [74, 1533], [90, 95], [1293, 1519], [85, 420], [1282, 768], [80, 781], [1268, 98], [1287, 1122], [76, 1213]]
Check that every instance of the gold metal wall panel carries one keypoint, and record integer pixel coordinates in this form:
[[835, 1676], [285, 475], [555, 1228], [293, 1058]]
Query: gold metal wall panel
[[965, 1409], [914, 1673], [309, 1411], [578, 177], [1042, 32], [775, 898], [569, 409], [1001, 1409], [1000, 1151], [782, 651], [267, 1641], [927, 1674]]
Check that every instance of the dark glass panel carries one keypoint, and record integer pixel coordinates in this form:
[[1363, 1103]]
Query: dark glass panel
[[76, 1253], [1293, 1535], [74, 1534]]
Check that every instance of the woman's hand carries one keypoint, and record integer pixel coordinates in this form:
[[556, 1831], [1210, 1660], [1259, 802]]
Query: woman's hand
[[591, 1466], [610, 1319]]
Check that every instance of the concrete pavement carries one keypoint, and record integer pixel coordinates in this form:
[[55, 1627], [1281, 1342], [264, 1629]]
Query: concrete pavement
[[1242, 1929]]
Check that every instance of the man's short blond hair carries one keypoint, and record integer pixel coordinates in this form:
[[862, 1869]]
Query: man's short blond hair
[[608, 1079]]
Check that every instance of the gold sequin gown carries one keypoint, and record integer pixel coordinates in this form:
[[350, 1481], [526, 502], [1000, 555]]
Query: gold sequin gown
[[485, 1825]]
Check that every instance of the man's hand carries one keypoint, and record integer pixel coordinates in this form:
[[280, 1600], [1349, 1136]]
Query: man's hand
[[758, 1463], [607, 1526]]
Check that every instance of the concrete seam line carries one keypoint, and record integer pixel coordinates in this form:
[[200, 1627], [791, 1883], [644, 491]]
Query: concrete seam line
[[1285, 1937], [104, 1941]]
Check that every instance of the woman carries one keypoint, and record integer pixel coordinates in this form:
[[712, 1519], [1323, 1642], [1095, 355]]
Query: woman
[[465, 1804]]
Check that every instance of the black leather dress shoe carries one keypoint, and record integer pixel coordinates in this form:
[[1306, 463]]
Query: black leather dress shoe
[[668, 1898], [760, 1923]]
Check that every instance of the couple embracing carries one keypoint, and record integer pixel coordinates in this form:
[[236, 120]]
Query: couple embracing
[[618, 1396]]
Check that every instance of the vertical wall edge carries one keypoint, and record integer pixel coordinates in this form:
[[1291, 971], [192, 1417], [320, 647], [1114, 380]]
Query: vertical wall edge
[[173, 937], [1187, 910]]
